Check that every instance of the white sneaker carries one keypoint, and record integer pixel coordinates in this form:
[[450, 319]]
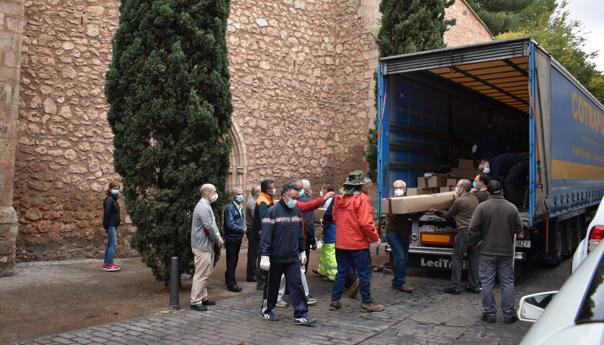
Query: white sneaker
[[311, 301], [281, 304]]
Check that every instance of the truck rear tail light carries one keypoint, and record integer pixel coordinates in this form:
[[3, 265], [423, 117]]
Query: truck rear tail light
[[596, 235]]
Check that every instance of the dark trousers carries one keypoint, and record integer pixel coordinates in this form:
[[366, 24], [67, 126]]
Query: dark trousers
[[293, 278], [232, 257], [461, 248], [361, 259], [252, 254], [307, 257]]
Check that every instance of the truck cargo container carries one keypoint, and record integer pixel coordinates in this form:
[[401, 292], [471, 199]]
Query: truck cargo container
[[432, 106]]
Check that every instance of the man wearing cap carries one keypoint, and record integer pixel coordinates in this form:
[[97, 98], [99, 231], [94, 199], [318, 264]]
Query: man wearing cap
[[355, 233], [282, 252], [492, 229]]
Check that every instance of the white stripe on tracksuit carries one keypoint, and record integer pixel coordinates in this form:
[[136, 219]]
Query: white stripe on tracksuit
[[304, 284]]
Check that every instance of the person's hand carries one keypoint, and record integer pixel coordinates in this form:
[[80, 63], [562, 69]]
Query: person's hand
[[220, 243], [376, 244], [265, 263], [328, 195], [302, 257]]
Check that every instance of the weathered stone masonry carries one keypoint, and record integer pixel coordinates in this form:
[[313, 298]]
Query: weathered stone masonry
[[302, 84], [11, 33]]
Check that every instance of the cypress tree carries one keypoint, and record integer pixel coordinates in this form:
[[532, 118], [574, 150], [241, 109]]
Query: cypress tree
[[170, 112], [408, 26]]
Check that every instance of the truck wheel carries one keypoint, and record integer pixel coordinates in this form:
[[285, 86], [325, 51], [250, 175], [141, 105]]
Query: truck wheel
[[518, 270], [554, 257]]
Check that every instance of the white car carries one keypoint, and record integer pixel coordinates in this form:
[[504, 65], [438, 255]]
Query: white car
[[595, 235], [575, 314]]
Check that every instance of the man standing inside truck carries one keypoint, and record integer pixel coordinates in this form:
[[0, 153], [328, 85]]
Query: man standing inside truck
[[461, 211], [492, 230], [398, 230], [512, 170]]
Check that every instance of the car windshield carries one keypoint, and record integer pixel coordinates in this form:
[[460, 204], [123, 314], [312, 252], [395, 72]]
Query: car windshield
[[592, 307]]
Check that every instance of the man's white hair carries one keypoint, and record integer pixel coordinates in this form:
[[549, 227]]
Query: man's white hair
[[400, 181], [236, 190], [206, 188], [306, 184]]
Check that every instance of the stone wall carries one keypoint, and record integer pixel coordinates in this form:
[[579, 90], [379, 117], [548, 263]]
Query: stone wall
[[303, 97], [11, 34]]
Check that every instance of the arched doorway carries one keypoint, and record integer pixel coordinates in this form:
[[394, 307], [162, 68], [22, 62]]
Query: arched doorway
[[238, 161]]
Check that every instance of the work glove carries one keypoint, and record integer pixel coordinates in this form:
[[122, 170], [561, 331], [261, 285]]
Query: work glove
[[375, 244], [302, 257], [265, 263]]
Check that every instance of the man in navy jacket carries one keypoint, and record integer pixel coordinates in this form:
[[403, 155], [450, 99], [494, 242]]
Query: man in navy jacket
[[234, 229], [282, 251]]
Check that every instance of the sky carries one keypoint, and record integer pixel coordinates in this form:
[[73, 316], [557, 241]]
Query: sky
[[591, 14]]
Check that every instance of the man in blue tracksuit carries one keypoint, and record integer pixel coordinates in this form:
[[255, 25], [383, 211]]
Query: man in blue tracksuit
[[282, 251], [234, 229]]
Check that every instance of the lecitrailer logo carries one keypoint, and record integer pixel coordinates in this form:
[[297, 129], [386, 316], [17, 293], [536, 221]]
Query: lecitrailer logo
[[444, 263]]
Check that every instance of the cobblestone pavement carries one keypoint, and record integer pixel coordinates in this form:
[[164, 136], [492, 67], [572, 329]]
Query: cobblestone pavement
[[427, 316]]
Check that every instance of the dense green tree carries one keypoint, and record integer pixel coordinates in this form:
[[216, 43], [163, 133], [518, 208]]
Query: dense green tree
[[563, 39], [170, 112], [509, 15], [407, 26]]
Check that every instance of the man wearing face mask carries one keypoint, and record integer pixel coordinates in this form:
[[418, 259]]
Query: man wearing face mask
[[398, 231], [461, 211], [263, 203], [479, 187], [512, 169], [234, 229], [282, 252], [204, 234]]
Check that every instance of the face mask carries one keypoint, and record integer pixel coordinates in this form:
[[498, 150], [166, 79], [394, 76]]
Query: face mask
[[302, 192], [399, 192], [214, 197], [486, 170], [474, 185], [456, 190], [274, 191], [239, 199], [115, 192], [321, 194], [291, 203]]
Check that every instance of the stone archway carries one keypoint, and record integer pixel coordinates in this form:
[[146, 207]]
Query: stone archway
[[238, 161]]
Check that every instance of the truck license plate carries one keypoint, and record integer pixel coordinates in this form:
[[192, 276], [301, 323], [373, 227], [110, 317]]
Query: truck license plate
[[523, 243]]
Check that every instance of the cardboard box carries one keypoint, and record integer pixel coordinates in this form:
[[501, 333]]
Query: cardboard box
[[436, 181], [464, 173], [451, 182], [465, 164], [444, 189], [421, 191], [421, 182], [418, 203]]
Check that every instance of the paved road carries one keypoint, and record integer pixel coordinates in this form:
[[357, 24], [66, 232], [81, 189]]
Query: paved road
[[426, 316]]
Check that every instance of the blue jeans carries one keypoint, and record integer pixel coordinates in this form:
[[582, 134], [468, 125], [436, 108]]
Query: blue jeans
[[502, 267], [111, 244], [361, 259], [399, 244]]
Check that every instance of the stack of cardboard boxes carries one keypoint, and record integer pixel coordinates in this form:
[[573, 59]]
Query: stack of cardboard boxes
[[433, 191]]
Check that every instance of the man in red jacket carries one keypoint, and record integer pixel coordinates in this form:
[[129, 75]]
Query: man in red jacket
[[355, 233]]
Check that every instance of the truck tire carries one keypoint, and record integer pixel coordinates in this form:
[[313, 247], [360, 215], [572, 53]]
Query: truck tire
[[554, 257], [566, 238]]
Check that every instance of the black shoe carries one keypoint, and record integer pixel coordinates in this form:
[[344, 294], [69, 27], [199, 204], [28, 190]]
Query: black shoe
[[198, 307], [234, 288], [488, 318], [452, 291], [473, 289], [510, 319], [259, 286], [208, 302], [252, 280]]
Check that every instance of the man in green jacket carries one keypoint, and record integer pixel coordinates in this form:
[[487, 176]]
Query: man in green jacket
[[492, 230]]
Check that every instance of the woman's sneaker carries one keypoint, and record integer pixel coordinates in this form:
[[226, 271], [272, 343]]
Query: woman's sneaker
[[113, 268], [105, 267], [311, 301], [281, 304]]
